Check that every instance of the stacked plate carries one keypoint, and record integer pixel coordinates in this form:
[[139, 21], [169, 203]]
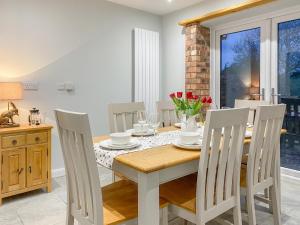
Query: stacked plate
[[194, 146], [107, 144], [189, 140], [147, 133]]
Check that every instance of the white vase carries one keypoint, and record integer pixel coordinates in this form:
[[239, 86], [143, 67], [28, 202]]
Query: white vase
[[188, 123]]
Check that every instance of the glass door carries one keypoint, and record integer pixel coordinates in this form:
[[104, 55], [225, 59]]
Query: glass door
[[240, 64], [285, 85]]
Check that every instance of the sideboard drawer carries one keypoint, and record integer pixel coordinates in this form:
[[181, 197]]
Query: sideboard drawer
[[13, 141], [37, 138]]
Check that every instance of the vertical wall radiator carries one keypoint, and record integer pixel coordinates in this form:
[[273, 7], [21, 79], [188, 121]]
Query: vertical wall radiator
[[146, 68]]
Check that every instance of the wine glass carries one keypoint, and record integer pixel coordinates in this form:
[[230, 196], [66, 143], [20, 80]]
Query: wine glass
[[153, 121], [141, 117]]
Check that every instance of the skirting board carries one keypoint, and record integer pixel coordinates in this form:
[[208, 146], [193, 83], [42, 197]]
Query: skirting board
[[290, 173], [58, 172]]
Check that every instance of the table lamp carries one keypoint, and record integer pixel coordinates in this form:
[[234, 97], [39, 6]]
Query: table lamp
[[10, 91]]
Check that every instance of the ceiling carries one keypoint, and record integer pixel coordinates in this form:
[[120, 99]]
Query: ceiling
[[159, 7]]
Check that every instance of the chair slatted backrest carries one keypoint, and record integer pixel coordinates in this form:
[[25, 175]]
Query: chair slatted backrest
[[264, 143], [167, 113], [252, 104], [219, 168], [84, 192], [122, 116]]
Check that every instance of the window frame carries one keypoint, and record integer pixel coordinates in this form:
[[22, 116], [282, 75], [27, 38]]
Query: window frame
[[268, 57]]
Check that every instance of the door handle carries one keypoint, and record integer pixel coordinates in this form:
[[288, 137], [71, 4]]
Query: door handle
[[20, 171], [29, 168], [262, 94], [273, 95]]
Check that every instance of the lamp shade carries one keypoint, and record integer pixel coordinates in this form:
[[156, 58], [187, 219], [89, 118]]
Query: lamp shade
[[11, 90]]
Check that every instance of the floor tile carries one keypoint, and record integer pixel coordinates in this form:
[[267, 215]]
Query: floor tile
[[41, 208], [46, 210]]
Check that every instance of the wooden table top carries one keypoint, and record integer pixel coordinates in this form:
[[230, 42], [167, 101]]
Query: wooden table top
[[157, 158]]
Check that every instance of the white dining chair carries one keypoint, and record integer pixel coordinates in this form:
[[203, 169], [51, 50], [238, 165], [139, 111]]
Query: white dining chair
[[202, 197], [261, 172], [252, 104], [116, 203], [167, 113], [122, 116]]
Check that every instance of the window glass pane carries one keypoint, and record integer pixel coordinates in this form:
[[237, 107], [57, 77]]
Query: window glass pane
[[240, 66], [289, 88], [289, 58]]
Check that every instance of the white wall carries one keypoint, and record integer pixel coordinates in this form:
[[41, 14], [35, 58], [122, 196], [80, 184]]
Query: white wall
[[85, 42], [173, 35]]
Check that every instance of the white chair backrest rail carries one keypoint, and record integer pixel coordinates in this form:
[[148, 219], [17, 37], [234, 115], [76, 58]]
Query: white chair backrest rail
[[252, 104], [219, 167], [264, 145], [166, 112], [122, 116], [84, 195]]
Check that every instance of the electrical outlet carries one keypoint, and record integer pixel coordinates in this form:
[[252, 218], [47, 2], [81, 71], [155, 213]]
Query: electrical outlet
[[30, 86]]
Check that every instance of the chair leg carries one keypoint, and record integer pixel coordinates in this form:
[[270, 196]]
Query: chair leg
[[270, 200], [237, 214], [164, 216], [70, 217], [251, 208], [275, 205]]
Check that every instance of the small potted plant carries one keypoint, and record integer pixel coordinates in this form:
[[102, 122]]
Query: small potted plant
[[188, 108]]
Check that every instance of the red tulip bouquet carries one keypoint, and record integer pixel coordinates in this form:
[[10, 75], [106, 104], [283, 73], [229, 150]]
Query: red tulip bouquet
[[191, 105]]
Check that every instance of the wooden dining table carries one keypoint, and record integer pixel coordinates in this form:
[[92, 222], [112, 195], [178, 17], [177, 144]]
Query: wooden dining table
[[151, 167]]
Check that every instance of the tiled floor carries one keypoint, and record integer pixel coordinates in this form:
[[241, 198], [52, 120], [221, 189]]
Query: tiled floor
[[40, 208]]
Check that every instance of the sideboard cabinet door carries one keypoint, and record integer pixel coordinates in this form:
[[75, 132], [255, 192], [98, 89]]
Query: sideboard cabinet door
[[36, 165], [13, 170]]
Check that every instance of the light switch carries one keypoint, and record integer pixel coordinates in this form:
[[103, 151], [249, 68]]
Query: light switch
[[30, 86], [69, 86], [61, 87], [65, 86]]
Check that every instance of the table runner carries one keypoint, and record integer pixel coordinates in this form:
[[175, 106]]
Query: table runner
[[106, 157]]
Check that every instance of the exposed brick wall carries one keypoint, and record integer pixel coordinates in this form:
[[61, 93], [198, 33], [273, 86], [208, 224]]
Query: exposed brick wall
[[197, 59]]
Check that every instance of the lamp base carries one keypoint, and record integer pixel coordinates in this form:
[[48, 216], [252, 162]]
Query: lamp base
[[9, 125]]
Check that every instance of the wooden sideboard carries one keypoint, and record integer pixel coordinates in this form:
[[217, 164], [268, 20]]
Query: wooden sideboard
[[25, 154]]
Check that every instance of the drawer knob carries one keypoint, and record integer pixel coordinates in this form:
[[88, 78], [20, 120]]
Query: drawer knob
[[14, 142], [37, 139]]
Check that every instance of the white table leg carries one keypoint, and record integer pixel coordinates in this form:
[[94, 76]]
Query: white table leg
[[148, 186]]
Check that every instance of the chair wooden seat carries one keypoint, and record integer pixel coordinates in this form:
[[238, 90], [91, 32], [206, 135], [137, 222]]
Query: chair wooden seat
[[243, 180], [171, 191], [181, 192], [245, 159], [120, 202]]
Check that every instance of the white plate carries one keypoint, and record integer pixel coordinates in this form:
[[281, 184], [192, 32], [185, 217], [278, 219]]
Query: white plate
[[108, 145], [249, 125], [248, 134], [178, 125], [150, 132], [197, 146]]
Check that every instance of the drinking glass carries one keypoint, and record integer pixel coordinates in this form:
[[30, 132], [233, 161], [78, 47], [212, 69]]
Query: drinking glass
[[141, 117], [153, 121]]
